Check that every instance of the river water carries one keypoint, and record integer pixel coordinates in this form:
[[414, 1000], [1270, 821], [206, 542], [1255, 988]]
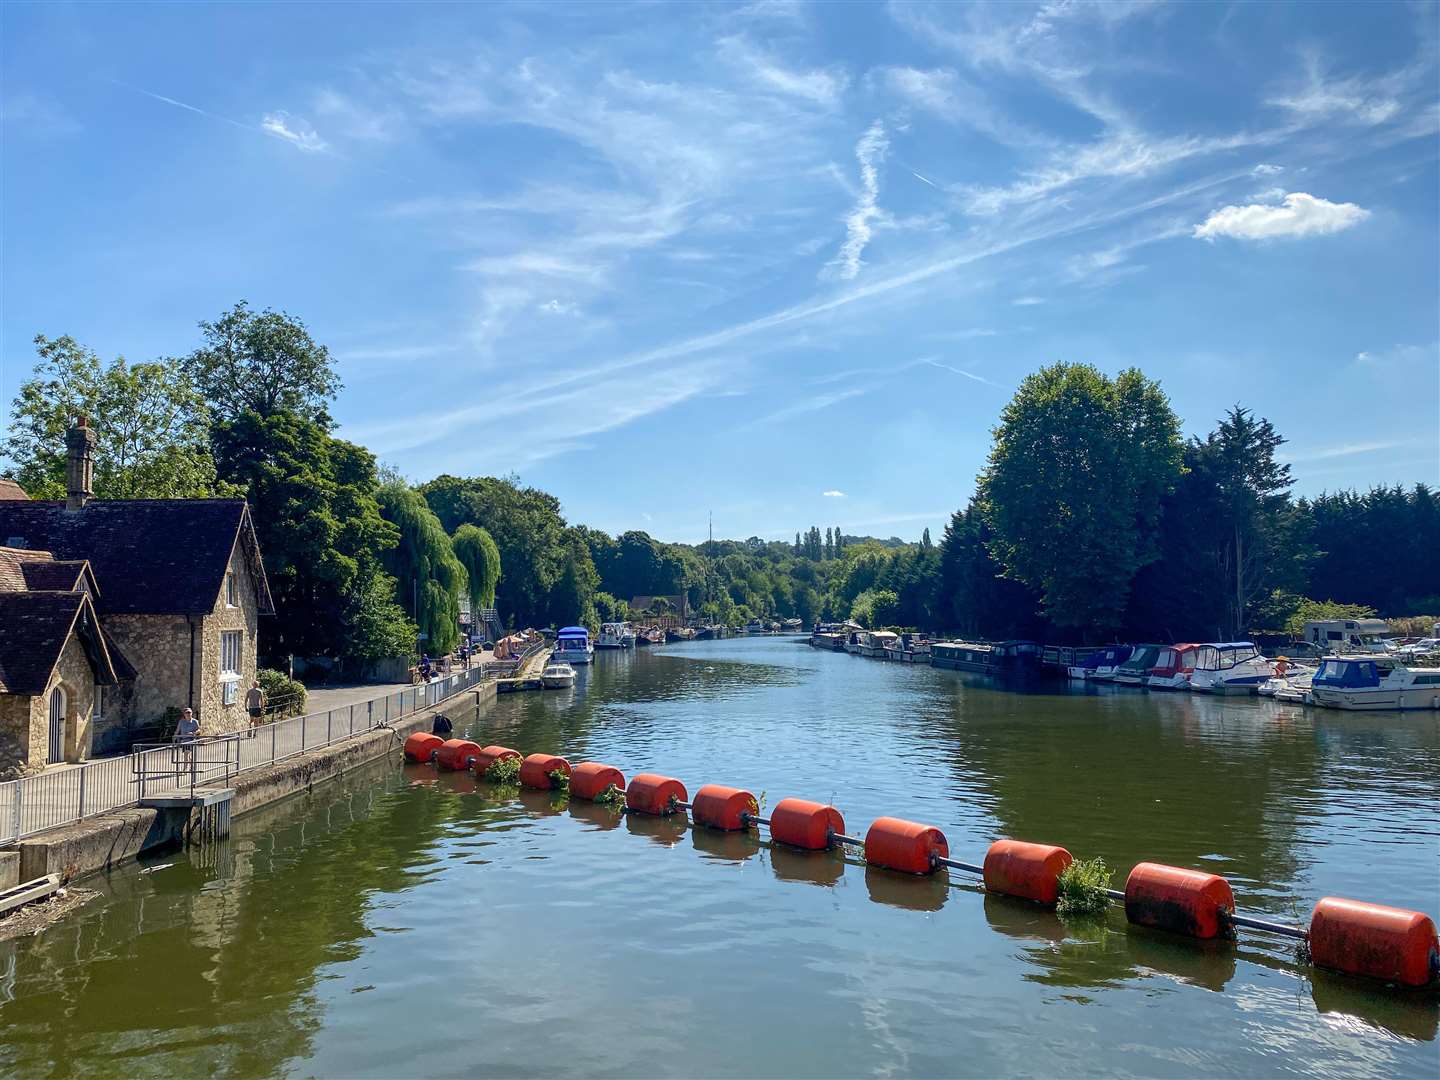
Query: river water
[[404, 923]]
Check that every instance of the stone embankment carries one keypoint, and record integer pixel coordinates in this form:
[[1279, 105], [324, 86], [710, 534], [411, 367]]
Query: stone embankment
[[102, 842]]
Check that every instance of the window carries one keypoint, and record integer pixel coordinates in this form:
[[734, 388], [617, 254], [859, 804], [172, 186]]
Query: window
[[230, 594], [229, 665]]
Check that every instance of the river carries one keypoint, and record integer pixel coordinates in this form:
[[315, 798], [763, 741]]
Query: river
[[404, 923]]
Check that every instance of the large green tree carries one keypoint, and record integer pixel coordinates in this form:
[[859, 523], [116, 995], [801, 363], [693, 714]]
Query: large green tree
[[152, 426], [321, 534], [1074, 485], [476, 550], [262, 362], [572, 600], [429, 577]]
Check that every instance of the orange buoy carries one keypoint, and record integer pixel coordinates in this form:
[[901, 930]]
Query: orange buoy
[[1371, 939], [422, 746], [1188, 902], [905, 845], [535, 770], [805, 824], [491, 754], [590, 779], [456, 754], [652, 794], [1029, 871], [725, 808]]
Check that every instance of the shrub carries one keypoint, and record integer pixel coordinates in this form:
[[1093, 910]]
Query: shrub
[[284, 696], [560, 780], [1083, 886], [504, 770]]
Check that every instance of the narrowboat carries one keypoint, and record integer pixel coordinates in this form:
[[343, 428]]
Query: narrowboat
[[572, 646], [1230, 667], [1004, 659], [1136, 668], [1173, 668], [962, 656], [1374, 682]]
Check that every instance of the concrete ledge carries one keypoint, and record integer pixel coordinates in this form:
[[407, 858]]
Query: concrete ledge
[[99, 843], [9, 869]]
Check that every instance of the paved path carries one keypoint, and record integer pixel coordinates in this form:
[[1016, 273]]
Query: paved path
[[339, 695]]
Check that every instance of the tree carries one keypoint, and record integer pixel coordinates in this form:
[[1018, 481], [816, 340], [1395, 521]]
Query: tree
[[839, 542], [1073, 488], [429, 577], [829, 543], [925, 541], [476, 550], [312, 497], [572, 600], [875, 608], [262, 363], [1239, 459], [152, 427], [527, 529]]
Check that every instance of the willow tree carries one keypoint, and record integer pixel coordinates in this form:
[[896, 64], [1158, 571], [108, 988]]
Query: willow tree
[[429, 578], [476, 550], [1074, 485]]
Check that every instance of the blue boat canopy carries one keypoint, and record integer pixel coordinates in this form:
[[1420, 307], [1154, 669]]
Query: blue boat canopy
[[573, 632]]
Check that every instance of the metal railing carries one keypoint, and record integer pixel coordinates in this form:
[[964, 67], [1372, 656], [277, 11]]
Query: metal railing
[[178, 768], [33, 804]]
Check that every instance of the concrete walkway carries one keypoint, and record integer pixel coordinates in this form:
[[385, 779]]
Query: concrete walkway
[[338, 695]]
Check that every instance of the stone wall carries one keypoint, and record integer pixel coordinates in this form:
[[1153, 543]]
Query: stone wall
[[25, 721], [215, 716], [158, 647]]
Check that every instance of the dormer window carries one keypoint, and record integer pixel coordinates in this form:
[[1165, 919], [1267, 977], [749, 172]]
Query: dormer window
[[230, 594]]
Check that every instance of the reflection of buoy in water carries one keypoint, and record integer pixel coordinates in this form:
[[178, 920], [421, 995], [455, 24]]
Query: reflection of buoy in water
[[726, 844], [664, 829], [806, 867], [908, 892]]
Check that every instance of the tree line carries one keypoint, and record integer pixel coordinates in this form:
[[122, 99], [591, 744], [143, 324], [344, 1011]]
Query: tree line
[[1092, 517]]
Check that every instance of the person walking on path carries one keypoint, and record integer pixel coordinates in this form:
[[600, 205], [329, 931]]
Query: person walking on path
[[186, 732], [255, 705]]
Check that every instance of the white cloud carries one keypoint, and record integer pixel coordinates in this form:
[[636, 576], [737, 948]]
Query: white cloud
[[293, 130], [1267, 170], [870, 151], [820, 86], [556, 307], [1027, 301], [833, 494], [942, 92], [1400, 355], [811, 404], [1318, 97], [1299, 215], [1352, 449]]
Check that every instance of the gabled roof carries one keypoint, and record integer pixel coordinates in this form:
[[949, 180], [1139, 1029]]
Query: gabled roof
[[9, 489], [34, 628], [12, 567], [151, 555], [59, 575]]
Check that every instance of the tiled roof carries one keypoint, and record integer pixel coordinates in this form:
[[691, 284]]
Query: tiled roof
[[9, 489], [12, 567], [34, 627], [150, 555], [53, 575]]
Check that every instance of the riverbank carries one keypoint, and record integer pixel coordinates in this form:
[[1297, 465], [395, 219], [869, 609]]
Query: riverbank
[[105, 841]]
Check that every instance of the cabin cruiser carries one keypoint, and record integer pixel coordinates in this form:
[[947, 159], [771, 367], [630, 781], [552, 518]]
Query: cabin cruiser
[[853, 641], [558, 676], [755, 626], [1230, 667], [874, 643], [909, 649], [1173, 668], [1136, 668], [1100, 665], [572, 646], [1291, 684], [829, 636], [1374, 682], [613, 636]]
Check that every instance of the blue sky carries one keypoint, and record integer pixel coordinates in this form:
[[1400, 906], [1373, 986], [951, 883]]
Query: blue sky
[[785, 262]]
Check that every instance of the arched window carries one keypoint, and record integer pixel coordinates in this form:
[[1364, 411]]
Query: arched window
[[57, 726]]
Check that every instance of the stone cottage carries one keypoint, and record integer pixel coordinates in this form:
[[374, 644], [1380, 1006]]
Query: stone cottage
[[164, 598]]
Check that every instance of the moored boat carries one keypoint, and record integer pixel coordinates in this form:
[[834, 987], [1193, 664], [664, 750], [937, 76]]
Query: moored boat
[[909, 649], [1136, 667], [1230, 667], [612, 636], [874, 643], [649, 635], [1100, 665], [755, 626], [558, 676], [572, 646], [1370, 682], [1173, 667]]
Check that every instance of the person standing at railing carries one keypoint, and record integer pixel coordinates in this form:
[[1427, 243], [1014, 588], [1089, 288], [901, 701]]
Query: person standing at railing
[[255, 705], [186, 732]]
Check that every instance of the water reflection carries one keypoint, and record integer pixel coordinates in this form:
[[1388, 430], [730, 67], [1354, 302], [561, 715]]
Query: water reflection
[[809, 867], [908, 891], [734, 847], [667, 831]]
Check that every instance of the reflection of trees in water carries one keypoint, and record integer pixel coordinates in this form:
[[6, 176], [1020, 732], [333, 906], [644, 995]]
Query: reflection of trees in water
[[230, 963], [1132, 777]]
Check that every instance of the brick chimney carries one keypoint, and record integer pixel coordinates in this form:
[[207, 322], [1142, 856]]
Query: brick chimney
[[79, 464]]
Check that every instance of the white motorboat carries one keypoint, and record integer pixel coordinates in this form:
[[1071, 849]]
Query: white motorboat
[[1374, 682], [873, 644], [558, 676], [572, 646], [1230, 667], [612, 636], [1288, 676]]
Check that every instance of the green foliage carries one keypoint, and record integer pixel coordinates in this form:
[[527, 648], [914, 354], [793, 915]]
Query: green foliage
[[611, 609], [875, 608], [1074, 484], [284, 696], [572, 601], [477, 552], [1082, 888], [1289, 613], [152, 426], [429, 577], [560, 780], [611, 796], [265, 363], [312, 498], [504, 770]]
